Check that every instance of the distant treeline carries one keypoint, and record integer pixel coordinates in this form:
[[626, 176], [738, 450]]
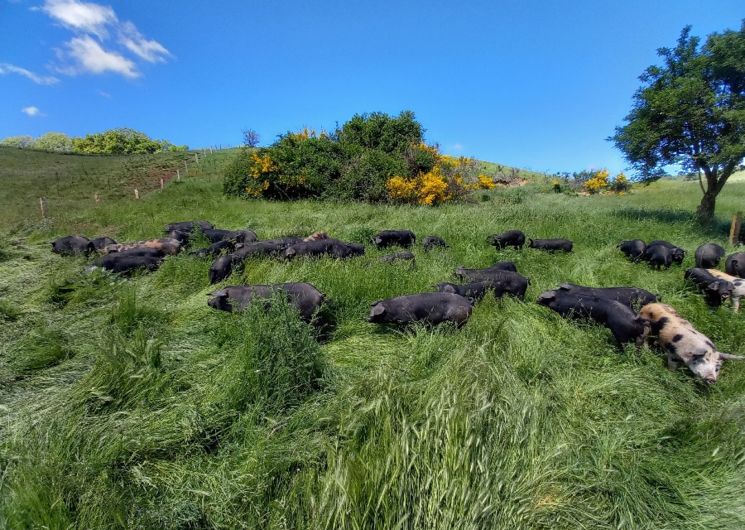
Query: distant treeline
[[120, 141]]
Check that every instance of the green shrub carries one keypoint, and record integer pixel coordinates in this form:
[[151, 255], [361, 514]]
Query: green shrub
[[364, 176], [118, 142], [354, 162], [22, 142], [53, 141]]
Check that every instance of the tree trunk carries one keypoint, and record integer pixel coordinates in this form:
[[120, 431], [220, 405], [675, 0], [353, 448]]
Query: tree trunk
[[705, 209]]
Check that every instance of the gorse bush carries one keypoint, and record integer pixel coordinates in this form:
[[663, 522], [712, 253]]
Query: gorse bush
[[374, 158]]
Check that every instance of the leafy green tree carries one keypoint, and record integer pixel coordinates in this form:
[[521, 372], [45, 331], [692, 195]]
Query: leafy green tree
[[119, 141], [54, 141], [690, 111]]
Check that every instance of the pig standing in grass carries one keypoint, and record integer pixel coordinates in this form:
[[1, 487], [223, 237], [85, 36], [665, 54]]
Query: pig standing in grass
[[735, 264], [72, 246], [683, 343], [633, 249], [625, 325], [715, 290], [427, 308], [432, 242], [738, 286], [551, 245], [709, 255], [304, 296], [510, 238], [389, 238]]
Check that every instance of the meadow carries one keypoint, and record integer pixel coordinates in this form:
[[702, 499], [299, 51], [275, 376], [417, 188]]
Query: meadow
[[132, 404]]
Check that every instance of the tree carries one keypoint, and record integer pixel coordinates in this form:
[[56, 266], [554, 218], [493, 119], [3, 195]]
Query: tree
[[691, 112], [250, 138], [54, 141], [22, 142]]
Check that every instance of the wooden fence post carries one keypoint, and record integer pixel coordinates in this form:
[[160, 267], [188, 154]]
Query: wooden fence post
[[43, 207], [196, 158], [161, 184], [137, 193], [178, 174], [186, 167], [734, 229], [96, 198]]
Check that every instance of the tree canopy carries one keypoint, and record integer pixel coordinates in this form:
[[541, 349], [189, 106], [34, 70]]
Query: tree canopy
[[690, 111]]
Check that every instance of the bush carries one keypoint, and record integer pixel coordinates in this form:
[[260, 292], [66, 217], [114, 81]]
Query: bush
[[598, 182], [365, 175], [120, 142], [22, 142], [620, 184], [54, 141], [372, 158]]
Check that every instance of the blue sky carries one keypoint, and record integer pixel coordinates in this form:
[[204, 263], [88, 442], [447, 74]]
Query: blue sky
[[532, 84]]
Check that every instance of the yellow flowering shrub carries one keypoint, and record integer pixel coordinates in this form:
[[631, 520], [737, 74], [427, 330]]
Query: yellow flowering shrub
[[621, 183], [598, 182], [260, 165], [485, 182]]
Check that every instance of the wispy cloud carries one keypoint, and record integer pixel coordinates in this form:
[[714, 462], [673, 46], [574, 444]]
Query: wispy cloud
[[150, 50], [81, 16], [86, 54], [104, 94], [89, 56], [457, 147], [31, 111], [6, 68]]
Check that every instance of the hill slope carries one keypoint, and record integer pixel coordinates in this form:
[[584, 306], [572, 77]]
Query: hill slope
[[130, 403]]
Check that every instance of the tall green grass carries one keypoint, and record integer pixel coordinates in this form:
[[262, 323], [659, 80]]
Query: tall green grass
[[131, 404]]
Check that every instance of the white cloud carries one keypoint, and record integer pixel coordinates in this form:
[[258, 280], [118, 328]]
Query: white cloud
[[457, 147], [150, 50], [83, 53], [104, 94], [89, 56], [81, 16], [31, 111], [6, 68]]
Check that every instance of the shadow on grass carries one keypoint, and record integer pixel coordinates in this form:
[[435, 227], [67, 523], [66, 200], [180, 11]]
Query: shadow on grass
[[715, 228]]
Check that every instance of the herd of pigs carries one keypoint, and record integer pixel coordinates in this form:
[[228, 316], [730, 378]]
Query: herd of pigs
[[632, 315]]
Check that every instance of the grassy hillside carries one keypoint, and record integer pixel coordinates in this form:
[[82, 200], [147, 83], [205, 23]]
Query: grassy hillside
[[131, 404], [71, 181]]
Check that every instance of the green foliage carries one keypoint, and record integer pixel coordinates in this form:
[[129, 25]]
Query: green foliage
[[364, 176], [353, 163], [53, 141], [23, 142], [120, 141], [691, 111], [381, 131]]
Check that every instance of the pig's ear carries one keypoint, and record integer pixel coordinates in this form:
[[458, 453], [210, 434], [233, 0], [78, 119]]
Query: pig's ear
[[548, 295], [377, 310], [565, 287], [730, 357], [219, 294]]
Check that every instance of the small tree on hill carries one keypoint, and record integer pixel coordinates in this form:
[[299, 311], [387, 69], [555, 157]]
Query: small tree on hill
[[691, 111], [250, 138]]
